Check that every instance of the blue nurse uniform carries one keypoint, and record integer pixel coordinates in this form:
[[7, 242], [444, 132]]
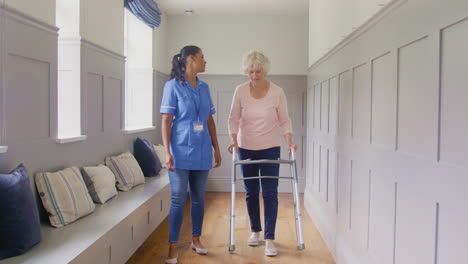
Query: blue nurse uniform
[[190, 147]]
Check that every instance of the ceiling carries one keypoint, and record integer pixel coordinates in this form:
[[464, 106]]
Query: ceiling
[[239, 7]]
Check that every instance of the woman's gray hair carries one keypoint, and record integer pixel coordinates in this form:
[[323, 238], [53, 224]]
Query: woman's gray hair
[[255, 59]]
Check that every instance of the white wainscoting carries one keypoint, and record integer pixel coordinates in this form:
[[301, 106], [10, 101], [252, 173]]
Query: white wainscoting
[[387, 175], [28, 96]]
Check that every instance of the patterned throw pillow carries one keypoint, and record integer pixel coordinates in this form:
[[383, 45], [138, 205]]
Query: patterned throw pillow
[[126, 170], [64, 195], [100, 182]]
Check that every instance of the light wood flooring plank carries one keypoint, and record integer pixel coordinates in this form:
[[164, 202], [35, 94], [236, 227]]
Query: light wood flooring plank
[[216, 237]]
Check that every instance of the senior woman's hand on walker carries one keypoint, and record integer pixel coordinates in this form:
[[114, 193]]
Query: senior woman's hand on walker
[[233, 145]]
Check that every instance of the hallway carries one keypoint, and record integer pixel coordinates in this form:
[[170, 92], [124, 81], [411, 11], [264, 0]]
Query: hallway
[[216, 237]]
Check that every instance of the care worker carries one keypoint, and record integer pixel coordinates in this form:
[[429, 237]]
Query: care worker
[[189, 137]]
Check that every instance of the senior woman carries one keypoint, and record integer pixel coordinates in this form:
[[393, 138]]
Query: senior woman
[[189, 137], [258, 111]]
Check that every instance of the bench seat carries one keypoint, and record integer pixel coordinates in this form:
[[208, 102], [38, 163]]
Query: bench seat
[[111, 234]]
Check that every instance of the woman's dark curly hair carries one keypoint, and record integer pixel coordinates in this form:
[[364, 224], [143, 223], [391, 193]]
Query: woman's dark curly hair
[[179, 61]]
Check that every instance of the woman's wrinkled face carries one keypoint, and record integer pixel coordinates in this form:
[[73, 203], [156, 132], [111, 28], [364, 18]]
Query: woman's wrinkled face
[[256, 74], [199, 61]]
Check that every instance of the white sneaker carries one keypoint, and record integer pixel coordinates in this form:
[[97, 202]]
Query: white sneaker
[[270, 248], [253, 239]]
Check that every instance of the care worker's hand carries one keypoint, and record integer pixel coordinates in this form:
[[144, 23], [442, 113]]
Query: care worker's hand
[[217, 156], [169, 162], [233, 145]]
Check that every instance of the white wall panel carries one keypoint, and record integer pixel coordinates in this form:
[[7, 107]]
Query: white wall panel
[[317, 107], [317, 163], [333, 114], [324, 109], [344, 194], [361, 103], [331, 186], [415, 223], [27, 80], [417, 98], [384, 95], [324, 174], [453, 216], [399, 198], [381, 224], [113, 93], [359, 203], [454, 95], [345, 105], [95, 100]]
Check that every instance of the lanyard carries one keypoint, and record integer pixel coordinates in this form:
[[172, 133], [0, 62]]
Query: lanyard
[[192, 97]]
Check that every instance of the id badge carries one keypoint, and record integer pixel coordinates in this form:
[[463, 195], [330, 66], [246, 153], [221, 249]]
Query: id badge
[[198, 125]]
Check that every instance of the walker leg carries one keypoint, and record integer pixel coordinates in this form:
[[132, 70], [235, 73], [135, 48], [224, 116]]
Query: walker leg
[[297, 208], [232, 247]]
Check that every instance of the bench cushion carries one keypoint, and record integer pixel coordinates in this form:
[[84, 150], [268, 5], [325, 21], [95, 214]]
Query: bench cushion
[[19, 220], [64, 195], [126, 170], [100, 182], [159, 149], [146, 157]]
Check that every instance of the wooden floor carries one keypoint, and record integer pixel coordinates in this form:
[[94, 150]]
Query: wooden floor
[[216, 237]]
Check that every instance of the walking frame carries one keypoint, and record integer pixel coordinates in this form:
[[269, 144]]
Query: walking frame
[[293, 178]]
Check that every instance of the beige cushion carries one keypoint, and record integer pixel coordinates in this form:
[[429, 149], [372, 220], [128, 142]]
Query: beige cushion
[[159, 149], [100, 182], [126, 170], [64, 195]]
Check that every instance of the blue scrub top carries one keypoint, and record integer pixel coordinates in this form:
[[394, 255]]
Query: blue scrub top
[[192, 150]]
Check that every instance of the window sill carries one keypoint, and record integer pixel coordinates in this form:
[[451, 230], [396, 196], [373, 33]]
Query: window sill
[[70, 140], [138, 130], [3, 149]]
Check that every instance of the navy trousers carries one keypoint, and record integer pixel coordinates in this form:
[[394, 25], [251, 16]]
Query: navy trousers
[[269, 189]]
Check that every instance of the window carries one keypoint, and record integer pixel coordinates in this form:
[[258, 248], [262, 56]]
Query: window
[[69, 74], [138, 74]]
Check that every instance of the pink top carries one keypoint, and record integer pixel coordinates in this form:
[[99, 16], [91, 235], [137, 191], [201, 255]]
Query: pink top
[[257, 122]]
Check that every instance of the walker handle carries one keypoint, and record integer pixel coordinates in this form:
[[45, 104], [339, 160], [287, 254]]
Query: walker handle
[[233, 154], [293, 154]]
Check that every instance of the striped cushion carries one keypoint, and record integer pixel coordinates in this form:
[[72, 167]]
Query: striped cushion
[[64, 195], [100, 182], [126, 170]]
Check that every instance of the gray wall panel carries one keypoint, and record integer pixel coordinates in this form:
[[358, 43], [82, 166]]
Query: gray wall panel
[[333, 108], [381, 210], [95, 101], [324, 106], [454, 95], [113, 92], [400, 198], [345, 105], [384, 93], [27, 84], [361, 103], [417, 96]]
